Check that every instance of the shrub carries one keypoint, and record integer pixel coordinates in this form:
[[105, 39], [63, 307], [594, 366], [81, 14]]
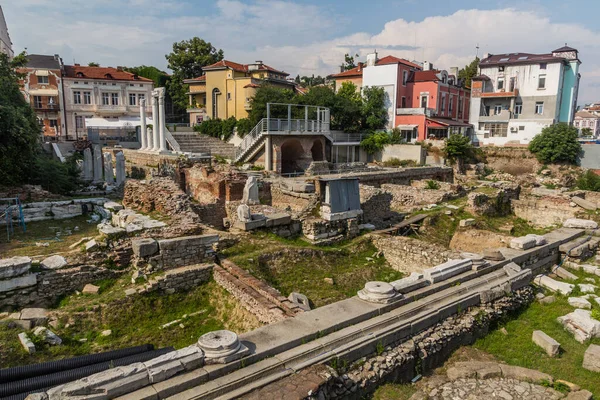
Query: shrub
[[432, 185], [210, 127], [375, 142], [227, 127], [589, 181], [244, 126], [55, 176], [556, 143], [458, 148], [395, 162]]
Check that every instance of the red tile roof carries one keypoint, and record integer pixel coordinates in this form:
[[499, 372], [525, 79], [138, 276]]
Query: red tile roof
[[518, 58], [356, 71], [78, 71], [252, 85], [424, 76], [395, 60], [241, 67], [200, 79]]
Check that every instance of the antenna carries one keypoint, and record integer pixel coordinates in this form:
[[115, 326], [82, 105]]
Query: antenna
[[477, 53]]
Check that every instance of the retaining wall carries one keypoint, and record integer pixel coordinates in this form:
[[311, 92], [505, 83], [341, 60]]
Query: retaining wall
[[47, 210]]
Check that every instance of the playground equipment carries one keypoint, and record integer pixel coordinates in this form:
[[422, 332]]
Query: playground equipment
[[11, 206]]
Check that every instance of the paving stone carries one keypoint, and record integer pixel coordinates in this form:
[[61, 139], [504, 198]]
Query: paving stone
[[580, 395], [550, 346], [591, 358], [522, 243], [585, 204], [580, 223], [14, 266], [90, 289], [26, 343], [54, 262], [556, 286], [587, 288], [564, 274]]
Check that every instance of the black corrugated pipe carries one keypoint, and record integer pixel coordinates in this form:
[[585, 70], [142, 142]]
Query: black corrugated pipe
[[59, 378], [28, 371], [23, 396]]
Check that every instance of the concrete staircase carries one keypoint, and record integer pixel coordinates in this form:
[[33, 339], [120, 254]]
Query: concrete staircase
[[191, 142]]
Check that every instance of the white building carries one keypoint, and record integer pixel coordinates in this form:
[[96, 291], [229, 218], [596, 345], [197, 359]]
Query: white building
[[589, 121], [5, 43], [516, 95], [103, 97]]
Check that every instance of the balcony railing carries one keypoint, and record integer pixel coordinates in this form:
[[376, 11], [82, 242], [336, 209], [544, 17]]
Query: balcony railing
[[110, 109], [503, 116], [500, 94], [341, 137], [428, 112], [46, 107]]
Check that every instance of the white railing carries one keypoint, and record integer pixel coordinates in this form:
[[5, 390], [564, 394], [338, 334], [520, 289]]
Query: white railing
[[340, 137]]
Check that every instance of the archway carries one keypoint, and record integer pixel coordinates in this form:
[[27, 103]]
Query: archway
[[291, 153], [317, 150]]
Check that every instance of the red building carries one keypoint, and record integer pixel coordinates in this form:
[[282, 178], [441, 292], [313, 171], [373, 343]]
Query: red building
[[436, 105]]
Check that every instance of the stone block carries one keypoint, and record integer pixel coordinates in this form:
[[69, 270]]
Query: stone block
[[26, 343], [579, 302], [144, 247], [581, 325], [379, 292], [493, 255], [580, 223], [447, 270], [583, 203], [92, 245], [39, 316], [553, 285], [564, 274], [523, 243], [412, 282], [591, 358], [250, 225], [550, 346], [466, 222], [587, 288], [539, 239], [48, 336], [524, 374], [110, 231], [14, 266], [547, 300], [300, 300], [278, 219], [580, 395], [113, 206], [54, 262], [90, 289], [17, 283]]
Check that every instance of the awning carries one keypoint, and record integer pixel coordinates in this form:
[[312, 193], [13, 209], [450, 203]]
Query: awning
[[121, 122], [41, 72], [444, 122], [43, 92], [406, 127]]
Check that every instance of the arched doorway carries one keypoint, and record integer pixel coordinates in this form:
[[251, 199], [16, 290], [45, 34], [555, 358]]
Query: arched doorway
[[317, 150], [291, 153]]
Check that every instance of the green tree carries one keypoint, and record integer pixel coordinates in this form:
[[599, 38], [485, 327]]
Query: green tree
[[187, 61], [375, 142], [347, 114], [458, 149], [244, 126], [227, 128], [349, 62], [469, 72], [556, 143], [586, 132], [159, 77], [269, 94], [19, 128], [93, 64], [374, 110]]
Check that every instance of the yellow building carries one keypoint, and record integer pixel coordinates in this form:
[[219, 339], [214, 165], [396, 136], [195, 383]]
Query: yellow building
[[226, 88]]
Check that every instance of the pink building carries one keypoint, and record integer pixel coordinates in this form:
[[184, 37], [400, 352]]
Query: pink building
[[587, 120]]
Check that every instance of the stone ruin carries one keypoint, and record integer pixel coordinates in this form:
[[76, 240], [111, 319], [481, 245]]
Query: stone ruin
[[97, 167]]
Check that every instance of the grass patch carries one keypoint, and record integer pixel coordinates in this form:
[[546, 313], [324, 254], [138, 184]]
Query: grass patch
[[297, 266], [24, 243], [394, 392], [134, 321], [521, 226], [516, 348]]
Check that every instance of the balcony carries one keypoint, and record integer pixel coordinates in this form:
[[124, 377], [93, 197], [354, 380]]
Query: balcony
[[103, 109], [198, 109], [46, 107], [428, 112], [504, 116], [500, 94]]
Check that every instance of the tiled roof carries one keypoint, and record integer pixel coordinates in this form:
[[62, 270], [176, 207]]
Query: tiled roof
[[518, 58], [424, 76], [241, 67], [481, 78], [564, 49], [585, 114], [42, 61], [252, 85], [395, 60], [78, 71], [200, 79], [356, 71]]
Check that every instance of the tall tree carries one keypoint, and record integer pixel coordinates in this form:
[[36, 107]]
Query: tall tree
[[469, 72], [159, 77], [187, 60], [19, 128], [374, 110], [347, 116], [349, 61], [269, 94]]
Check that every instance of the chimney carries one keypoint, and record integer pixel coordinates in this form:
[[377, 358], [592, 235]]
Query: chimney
[[427, 66], [259, 62], [77, 65], [487, 55], [360, 66], [342, 69], [56, 57], [372, 59]]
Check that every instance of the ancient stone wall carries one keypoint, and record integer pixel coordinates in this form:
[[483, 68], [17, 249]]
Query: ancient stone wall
[[181, 279], [47, 210], [325, 232], [376, 205], [544, 211], [284, 199], [410, 255], [512, 160], [404, 176]]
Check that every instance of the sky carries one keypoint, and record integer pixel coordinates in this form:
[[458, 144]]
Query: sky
[[307, 36]]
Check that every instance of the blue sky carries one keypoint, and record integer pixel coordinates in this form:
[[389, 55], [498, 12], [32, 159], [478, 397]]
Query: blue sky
[[307, 36]]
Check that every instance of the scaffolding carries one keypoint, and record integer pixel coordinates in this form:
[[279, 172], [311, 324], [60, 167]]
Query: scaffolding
[[9, 209]]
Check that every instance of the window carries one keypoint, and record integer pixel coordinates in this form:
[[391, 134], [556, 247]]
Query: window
[[424, 101], [141, 96], [37, 101], [543, 65], [501, 69], [42, 80], [87, 97], [443, 103], [521, 127], [450, 106], [132, 99], [495, 130], [77, 97], [53, 123], [539, 107], [79, 121], [497, 109], [542, 82], [114, 99], [500, 83], [403, 102], [518, 108], [105, 99], [228, 96], [404, 77]]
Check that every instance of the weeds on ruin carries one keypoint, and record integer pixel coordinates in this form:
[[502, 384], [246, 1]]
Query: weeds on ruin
[[379, 348], [432, 185]]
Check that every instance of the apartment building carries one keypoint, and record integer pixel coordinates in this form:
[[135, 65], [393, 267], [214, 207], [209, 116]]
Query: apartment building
[[5, 42], [516, 95], [100, 97], [43, 89], [226, 88], [587, 123]]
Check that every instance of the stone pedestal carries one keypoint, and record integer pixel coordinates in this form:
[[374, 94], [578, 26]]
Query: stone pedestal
[[109, 176], [379, 292], [221, 347], [250, 195], [97, 163], [120, 163], [88, 165]]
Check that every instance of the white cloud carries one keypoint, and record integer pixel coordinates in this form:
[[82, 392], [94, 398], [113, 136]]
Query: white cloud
[[293, 36]]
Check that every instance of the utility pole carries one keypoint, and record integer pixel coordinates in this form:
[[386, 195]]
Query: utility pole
[[477, 52]]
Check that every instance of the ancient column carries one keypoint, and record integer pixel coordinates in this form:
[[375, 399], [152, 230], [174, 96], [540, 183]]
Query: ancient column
[[143, 131], [161, 118], [149, 139], [155, 122], [120, 161], [109, 176], [97, 163], [88, 166]]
